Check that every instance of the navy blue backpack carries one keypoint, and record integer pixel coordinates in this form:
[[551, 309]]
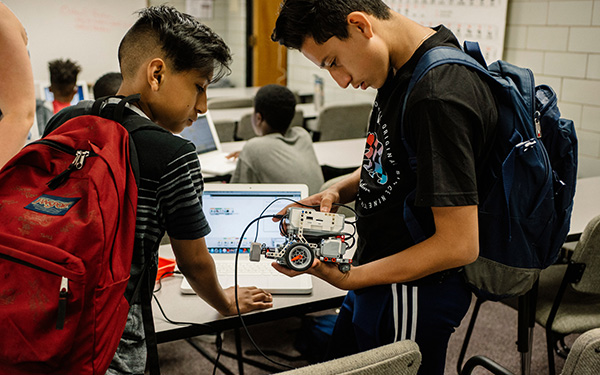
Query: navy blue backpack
[[527, 186]]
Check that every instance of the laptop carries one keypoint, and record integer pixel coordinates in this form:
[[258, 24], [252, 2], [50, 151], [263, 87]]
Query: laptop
[[229, 209], [82, 92], [203, 135]]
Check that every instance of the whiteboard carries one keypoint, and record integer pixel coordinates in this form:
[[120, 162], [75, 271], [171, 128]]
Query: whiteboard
[[86, 31]]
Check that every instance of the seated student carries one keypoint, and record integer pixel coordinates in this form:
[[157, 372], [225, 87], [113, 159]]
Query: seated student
[[107, 85], [63, 82], [170, 59], [280, 153]]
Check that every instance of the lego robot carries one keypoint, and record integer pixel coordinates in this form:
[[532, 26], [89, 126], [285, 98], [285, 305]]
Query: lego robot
[[309, 234]]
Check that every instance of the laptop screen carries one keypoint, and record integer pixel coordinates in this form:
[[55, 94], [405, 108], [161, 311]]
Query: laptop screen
[[79, 96], [201, 135], [229, 212]]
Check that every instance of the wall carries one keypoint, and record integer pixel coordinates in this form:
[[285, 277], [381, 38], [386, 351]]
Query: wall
[[560, 42]]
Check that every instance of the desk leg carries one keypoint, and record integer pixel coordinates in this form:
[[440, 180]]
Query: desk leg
[[238, 349], [526, 323]]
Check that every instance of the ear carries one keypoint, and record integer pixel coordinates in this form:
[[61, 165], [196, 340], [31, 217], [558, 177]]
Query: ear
[[360, 22], [155, 73]]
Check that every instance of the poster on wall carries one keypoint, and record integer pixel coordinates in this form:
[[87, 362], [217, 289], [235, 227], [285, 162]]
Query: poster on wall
[[483, 21], [201, 9]]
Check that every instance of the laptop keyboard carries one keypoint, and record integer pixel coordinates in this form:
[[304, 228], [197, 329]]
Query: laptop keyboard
[[244, 268]]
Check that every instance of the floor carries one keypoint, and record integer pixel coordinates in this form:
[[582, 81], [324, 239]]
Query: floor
[[494, 336]]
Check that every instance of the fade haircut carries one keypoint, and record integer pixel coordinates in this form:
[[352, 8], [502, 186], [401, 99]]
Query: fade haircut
[[277, 105], [63, 75], [320, 19], [183, 41]]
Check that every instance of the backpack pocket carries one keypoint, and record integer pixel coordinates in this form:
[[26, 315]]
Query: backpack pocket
[[41, 300]]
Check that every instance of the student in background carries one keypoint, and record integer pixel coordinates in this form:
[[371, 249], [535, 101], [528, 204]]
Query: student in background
[[63, 82], [399, 289], [170, 59], [280, 153], [107, 85], [17, 94]]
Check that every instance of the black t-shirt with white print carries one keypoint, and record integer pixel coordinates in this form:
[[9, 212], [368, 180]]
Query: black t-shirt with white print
[[450, 119]]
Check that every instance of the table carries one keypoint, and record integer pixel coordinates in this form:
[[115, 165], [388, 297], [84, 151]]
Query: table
[[192, 309], [345, 153], [586, 205]]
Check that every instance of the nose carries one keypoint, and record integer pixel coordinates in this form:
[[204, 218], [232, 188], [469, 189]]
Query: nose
[[342, 78], [201, 104]]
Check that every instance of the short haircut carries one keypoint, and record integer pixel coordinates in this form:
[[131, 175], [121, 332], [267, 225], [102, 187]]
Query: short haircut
[[63, 75], [320, 19], [107, 85], [180, 39], [277, 105]]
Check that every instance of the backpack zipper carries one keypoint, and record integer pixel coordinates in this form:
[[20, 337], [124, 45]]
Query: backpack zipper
[[62, 302], [79, 160]]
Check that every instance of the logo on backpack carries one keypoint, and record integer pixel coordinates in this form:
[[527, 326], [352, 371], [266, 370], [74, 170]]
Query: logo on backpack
[[51, 205]]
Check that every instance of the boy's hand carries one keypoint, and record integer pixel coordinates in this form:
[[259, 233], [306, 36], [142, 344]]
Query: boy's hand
[[250, 299], [234, 155], [328, 272], [324, 200]]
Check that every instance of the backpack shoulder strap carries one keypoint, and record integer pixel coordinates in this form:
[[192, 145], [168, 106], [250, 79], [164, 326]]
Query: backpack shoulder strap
[[431, 59]]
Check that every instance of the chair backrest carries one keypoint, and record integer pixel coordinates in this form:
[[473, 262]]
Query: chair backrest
[[343, 121], [229, 102], [226, 130], [587, 251], [399, 358], [584, 357], [244, 129]]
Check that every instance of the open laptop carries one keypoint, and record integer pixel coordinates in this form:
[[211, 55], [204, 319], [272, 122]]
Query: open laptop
[[204, 136], [229, 209]]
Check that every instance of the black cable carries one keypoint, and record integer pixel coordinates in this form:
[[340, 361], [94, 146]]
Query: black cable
[[219, 339], [237, 304]]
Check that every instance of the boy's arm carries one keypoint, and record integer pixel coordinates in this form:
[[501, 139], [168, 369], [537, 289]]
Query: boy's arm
[[454, 244], [17, 95], [197, 265]]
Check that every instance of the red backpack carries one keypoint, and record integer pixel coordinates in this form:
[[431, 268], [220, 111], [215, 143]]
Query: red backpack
[[67, 223]]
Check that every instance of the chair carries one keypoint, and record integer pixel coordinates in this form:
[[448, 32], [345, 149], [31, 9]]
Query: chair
[[229, 102], [584, 358], [244, 129], [343, 121], [568, 296], [399, 358], [225, 130]]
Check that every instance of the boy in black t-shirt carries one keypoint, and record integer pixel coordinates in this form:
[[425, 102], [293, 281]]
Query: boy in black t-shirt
[[170, 59], [399, 289]]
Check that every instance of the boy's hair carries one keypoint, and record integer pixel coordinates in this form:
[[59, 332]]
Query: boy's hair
[[277, 105], [162, 31], [107, 85], [63, 76], [320, 19]]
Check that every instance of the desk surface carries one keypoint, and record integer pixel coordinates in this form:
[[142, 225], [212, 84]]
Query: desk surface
[[345, 153], [586, 204]]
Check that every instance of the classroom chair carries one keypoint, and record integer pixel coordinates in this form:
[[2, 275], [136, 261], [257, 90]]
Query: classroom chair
[[225, 130], [584, 358], [568, 296], [399, 358], [342, 121]]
